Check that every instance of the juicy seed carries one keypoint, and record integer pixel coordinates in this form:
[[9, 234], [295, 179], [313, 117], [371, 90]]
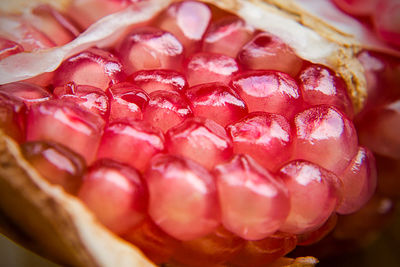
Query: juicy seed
[[29, 93], [56, 163], [126, 101], [320, 85], [325, 137], [8, 48], [268, 52], [183, 198], [266, 137], [359, 181], [314, 194], [269, 91], [149, 48], [200, 140], [207, 68], [386, 21], [66, 123], [227, 36], [159, 80], [94, 67], [313, 237], [115, 194], [166, 109], [12, 113], [253, 203], [217, 102]]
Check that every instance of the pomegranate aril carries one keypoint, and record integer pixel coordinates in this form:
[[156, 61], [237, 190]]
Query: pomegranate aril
[[133, 143], [320, 85], [201, 140], [314, 194], [357, 7], [148, 48], [159, 80], [313, 237], [213, 249], [209, 67], [269, 91], [188, 21], [94, 67], [115, 193], [66, 123], [268, 52], [29, 93], [183, 198], [8, 48], [56, 163], [216, 101], [12, 113], [326, 137], [262, 252], [88, 97], [166, 109], [126, 101], [227, 36], [266, 137], [386, 18], [254, 204]]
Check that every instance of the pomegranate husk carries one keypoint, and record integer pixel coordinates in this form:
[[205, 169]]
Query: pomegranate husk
[[52, 223]]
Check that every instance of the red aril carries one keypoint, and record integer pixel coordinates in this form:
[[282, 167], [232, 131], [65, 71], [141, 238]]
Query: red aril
[[66, 123], [209, 67], [254, 204], [8, 48], [314, 194], [201, 140], [148, 48], [29, 93], [268, 52], [183, 197], [56, 163], [133, 143], [357, 7], [12, 111], [313, 237], [266, 137], [159, 80], [94, 67], [227, 36], [166, 109], [216, 101], [116, 194], [386, 19]]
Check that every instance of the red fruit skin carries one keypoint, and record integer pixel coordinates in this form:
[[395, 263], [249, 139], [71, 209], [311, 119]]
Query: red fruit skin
[[8, 48], [12, 117], [115, 193], [200, 140], [56, 163], [217, 102], [183, 198], [133, 143], [29, 93], [94, 67], [266, 137]]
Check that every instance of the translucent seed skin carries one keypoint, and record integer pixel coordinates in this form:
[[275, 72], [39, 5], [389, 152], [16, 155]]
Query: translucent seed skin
[[29, 93]]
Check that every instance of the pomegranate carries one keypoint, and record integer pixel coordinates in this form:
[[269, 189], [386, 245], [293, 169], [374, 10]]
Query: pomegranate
[[197, 136]]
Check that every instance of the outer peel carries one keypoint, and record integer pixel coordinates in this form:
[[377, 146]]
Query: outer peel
[[57, 224]]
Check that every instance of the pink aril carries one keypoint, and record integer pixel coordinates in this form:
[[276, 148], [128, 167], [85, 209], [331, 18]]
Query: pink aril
[[116, 194], [133, 143], [254, 204], [359, 181], [12, 114], [183, 198], [8, 48], [314, 194], [148, 48], [227, 36], [166, 109], [357, 7], [216, 101], [386, 19], [325, 137], [66, 123], [208, 67], [188, 21], [94, 67], [266, 137], [320, 85], [56, 163], [268, 52], [88, 97], [268, 91], [126, 101], [29, 93], [159, 80], [201, 140], [315, 236]]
